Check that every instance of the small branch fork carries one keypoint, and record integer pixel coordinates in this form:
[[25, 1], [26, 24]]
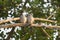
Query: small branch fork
[[44, 29]]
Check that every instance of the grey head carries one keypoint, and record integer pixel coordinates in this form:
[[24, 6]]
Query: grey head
[[29, 14]]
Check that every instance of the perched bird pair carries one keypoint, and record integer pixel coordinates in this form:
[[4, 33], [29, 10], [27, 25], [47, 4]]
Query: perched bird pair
[[26, 19]]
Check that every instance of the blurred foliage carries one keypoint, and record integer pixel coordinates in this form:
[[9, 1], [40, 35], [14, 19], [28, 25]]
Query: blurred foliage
[[39, 8]]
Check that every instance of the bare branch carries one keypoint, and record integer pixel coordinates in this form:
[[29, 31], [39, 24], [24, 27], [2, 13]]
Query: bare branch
[[10, 33], [44, 20], [35, 25], [50, 16], [46, 32], [11, 25], [44, 29], [11, 19], [21, 24]]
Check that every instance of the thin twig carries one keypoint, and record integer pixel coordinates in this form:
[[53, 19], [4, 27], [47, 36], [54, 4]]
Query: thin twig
[[10, 33], [46, 32], [44, 29]]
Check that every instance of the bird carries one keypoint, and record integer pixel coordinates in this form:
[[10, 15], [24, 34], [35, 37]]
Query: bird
[[30, 18], [23, 18], [30, 21]]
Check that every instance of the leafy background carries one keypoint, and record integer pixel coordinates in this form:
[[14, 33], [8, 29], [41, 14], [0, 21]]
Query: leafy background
[[39, 8]]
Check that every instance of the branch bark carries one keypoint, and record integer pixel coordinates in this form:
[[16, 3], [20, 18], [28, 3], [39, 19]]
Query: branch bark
[[21, 24], [41, 19], [13, 19], [44, 29], [8, 20], [46, 33], [35, 25]]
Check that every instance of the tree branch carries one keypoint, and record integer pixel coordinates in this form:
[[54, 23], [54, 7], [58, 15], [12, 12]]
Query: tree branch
[[8, 20], [11, 25], [21, 24], [37, 25], [10, 33], [13, 19], [44, 20], [44, 29], [46, 33]]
